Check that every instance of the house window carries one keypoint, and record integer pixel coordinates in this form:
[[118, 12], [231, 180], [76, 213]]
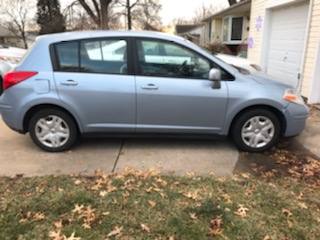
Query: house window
[[232, 29]]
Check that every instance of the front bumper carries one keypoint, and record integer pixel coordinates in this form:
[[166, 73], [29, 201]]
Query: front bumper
[[296, 117]]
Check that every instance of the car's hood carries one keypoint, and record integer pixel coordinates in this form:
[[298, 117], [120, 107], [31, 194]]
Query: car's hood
[[265, 79]]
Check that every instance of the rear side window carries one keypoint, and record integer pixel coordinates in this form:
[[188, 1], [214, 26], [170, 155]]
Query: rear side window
[[104, 56], [67, 56]]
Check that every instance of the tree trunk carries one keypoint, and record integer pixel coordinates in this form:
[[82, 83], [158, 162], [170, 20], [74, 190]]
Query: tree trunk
[[24, 39], [129, 15], [104, 21]]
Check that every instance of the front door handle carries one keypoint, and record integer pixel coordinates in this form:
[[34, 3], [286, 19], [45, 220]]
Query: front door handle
[[69, 82], [150, 86]]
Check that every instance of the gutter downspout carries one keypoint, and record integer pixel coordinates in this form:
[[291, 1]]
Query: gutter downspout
[[305, 48]]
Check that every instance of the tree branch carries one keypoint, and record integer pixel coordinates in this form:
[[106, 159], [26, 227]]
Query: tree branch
[[87, 8]]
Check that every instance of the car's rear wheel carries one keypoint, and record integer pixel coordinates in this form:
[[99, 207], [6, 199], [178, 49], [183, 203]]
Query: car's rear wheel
[[256, 130], [53, 130]]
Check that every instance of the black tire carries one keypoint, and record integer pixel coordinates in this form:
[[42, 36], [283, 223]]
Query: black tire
[[241, 121], [67, 119]]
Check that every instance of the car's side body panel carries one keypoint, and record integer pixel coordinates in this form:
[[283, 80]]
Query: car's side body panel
[[180, 105], [103, 102]]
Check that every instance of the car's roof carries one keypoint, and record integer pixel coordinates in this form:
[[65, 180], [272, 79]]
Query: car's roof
[[68, 36]]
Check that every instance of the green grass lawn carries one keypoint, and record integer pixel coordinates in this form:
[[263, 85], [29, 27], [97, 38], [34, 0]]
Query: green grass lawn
[[139, 205]]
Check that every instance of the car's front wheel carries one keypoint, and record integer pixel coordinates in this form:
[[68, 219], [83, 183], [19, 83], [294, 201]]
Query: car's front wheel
[[53, 130], [256, 130]]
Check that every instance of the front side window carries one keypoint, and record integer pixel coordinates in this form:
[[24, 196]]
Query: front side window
[[104, 56], [166, 59], [67, 56]]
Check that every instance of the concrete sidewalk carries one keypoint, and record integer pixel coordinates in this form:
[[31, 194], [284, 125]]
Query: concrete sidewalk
[[310, 138], [18, 155]]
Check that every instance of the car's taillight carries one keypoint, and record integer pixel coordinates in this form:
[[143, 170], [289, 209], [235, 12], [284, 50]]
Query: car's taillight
[[13, 78]]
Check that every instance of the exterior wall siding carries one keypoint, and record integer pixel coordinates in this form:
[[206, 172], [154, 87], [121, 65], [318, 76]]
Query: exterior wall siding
[[311, 51], [259, 9]]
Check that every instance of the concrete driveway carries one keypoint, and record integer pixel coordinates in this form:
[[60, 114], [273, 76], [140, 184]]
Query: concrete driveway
[[18, 155]]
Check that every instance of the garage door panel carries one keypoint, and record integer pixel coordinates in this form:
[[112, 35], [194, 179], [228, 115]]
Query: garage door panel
[[284, 56], [283, 46], [286, 41]]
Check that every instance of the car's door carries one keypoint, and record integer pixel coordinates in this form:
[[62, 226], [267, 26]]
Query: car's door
[[174, 94], [93, 78]]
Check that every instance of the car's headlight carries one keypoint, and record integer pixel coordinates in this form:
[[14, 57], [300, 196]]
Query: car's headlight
[[291, 95]]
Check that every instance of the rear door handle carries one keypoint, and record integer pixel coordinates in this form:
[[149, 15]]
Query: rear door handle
[[69, 82], [150, 86]]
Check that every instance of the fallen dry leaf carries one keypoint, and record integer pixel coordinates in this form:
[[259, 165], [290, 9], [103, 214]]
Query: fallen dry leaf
[[267, 237], [78, 209], [193, 216], [77, 182], [245, 175], [30, 216], [72, 237], [115, 232], [145, 228], [192, 195], [58, 224], [103, 193], [242, 211], [87, 214], [302, 205], [38, 216], [152, 203], [287, 212], [56, 235], [215, 227], [106, 213]]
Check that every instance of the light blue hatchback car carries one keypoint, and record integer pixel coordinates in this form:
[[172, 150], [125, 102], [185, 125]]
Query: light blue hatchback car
[[142, 83]]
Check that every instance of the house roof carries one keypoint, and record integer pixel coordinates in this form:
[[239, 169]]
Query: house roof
[[4, 32], [184, 28], [241, 6]]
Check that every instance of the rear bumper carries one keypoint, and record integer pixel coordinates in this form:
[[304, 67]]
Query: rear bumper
[[9, 117], [296, 117]]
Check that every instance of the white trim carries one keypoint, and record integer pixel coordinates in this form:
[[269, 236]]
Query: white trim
[[315, 87], [305, 47], [265, 39]]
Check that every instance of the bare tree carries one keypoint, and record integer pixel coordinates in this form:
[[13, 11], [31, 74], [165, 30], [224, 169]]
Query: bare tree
[[98, 11], [128, 5], [144, 12], [199, 15], [77, 18], [16, 14], [203, 12], [148, 14]]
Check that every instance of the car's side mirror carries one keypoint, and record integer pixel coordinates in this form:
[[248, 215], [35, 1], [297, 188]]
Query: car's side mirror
[[215, 77]]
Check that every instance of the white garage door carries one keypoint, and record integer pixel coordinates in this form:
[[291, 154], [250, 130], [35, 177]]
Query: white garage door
[[287, 34]]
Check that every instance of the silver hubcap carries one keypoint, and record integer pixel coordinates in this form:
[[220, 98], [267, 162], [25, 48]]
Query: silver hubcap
[[258, 132], [52, 131]]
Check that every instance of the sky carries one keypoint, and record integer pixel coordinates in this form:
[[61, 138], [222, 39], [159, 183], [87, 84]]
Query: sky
[[175, 9]]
